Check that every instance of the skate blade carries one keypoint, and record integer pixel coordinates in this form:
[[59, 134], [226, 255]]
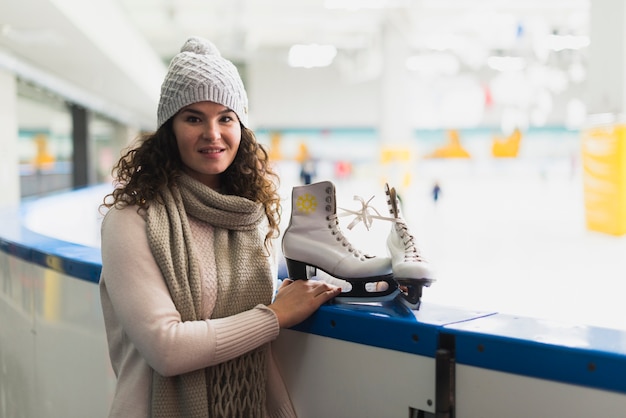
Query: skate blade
[[410, 303], [404, 281], [411, 292], [305, 271], [362, 289], [370, 288], [367, 299]]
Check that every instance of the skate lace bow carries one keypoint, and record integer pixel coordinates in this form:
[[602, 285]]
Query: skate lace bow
[[366, 214]]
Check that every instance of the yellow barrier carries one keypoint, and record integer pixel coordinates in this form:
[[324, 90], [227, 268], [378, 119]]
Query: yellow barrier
[[452, 148], [400, 174], [506, 147], [604, 178]]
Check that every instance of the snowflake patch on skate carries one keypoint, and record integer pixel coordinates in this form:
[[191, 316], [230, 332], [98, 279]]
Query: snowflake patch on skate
[[307, 203]]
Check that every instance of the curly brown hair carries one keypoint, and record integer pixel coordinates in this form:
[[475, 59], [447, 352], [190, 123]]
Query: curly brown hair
[[154, 162]]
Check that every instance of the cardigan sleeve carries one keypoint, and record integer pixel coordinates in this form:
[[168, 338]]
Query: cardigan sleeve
[[144, 313]]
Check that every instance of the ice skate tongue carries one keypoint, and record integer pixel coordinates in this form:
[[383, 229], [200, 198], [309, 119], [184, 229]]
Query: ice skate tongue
[[394, 202]]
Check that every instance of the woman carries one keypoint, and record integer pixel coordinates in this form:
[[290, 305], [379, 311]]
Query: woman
[[187, 285]]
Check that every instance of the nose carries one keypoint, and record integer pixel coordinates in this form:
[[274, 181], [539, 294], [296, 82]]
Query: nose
[[211, 130]]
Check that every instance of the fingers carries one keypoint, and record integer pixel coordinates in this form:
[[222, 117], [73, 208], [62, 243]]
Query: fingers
[[324, 288], [334, 281], [329, 294], [285, 282], [318, 287], [298, 299], [323, 292], [315, 289]]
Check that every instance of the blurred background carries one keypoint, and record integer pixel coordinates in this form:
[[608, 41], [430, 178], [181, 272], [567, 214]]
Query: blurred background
[[498, 122]]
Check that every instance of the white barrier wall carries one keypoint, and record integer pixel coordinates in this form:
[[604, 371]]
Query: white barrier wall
[[53, 355], [347, 360], [487, 393]]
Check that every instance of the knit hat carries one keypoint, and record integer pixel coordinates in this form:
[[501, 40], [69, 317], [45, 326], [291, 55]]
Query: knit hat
[[199, 73]]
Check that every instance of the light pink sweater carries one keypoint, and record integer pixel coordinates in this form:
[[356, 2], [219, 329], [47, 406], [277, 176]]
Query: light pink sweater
[[145, 331]]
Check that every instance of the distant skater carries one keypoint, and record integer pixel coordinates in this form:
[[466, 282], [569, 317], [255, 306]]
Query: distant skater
[[436, 192], [307, 171]]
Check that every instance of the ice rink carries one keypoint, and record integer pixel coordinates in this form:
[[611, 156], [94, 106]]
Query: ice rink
[[514, 242], [506, 235]]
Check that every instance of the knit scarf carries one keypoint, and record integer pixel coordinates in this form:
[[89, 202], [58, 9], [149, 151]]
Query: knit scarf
[[235, 388]]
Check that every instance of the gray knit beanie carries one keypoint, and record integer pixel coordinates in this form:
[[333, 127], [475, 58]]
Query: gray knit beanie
[[199, 73]]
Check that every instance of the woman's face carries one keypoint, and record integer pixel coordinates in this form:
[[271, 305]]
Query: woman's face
[[208, 136]]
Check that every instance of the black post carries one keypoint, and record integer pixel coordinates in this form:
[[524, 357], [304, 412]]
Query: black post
[[80, 142], [445, 380]]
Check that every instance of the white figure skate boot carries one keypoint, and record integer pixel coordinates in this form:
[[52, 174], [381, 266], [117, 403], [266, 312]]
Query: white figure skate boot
[[410, 270], [314, 239]]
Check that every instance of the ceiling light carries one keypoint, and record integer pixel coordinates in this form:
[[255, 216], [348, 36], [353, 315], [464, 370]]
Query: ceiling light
[[312, 55]]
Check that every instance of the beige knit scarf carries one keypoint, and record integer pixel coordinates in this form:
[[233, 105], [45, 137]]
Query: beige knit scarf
[[235, 388]]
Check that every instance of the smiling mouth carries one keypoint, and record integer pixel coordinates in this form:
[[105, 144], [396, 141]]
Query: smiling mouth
[[211, 151]]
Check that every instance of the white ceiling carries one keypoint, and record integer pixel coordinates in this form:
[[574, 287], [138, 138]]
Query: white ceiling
[[242, 27], [111, 54]]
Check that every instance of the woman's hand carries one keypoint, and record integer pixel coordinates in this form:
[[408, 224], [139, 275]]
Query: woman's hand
[[296, 300]]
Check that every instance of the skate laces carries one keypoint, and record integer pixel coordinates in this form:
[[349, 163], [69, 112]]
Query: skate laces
[[336, 230], [366, 214], [410, 249]]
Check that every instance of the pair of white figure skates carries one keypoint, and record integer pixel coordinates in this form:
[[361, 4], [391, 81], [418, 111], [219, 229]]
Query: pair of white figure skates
[[313, 240]]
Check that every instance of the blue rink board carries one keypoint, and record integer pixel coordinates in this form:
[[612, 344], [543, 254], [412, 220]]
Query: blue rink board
[[389, 325], [575, 354], [65, 257], [581, 355]]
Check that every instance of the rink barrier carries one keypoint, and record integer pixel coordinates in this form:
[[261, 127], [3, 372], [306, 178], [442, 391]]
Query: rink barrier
[[575, 354], [67, 258], [589, 356], [75, 260], [578, 355]]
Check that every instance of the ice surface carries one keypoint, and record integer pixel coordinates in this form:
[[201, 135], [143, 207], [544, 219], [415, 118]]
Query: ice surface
[[506, 235]]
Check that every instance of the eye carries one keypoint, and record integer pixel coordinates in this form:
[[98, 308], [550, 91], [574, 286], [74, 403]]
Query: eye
[[226, 119], [192, 119]]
